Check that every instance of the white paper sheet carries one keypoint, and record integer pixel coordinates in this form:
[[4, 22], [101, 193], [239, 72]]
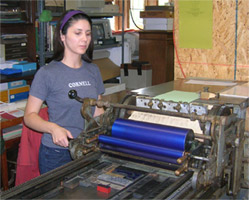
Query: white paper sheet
[[166, 120]]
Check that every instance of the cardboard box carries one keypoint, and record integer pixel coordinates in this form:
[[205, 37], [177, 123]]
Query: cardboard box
[[19, 90], [107, 68], [4, 96], [15, 94], [157, 14]]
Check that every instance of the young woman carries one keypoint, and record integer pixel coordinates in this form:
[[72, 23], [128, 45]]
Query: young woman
[[71, 68]]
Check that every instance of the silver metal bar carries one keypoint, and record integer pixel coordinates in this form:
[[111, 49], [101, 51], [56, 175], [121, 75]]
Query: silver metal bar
[[202, 136], [192, 116], [199, 158]]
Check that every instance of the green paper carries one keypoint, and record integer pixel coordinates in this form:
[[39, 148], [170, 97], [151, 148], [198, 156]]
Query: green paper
[[178, 96], [45, 16], [195, 24]]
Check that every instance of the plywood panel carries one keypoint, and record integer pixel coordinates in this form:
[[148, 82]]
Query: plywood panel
[[218, 62]]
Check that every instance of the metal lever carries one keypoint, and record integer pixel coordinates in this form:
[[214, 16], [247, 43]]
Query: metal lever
[[72, 94]]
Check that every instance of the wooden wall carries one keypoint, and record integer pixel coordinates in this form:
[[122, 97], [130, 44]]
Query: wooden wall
[[218, 62]]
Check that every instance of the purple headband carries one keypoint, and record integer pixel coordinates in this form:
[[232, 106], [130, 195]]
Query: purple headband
[[68, 16]]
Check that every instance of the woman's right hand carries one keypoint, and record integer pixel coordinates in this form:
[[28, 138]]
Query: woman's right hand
[[60, 136], [33, 120]]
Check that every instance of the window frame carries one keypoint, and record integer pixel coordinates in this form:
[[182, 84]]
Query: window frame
[[126, 15]]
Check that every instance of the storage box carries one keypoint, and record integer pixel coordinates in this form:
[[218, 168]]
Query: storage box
[[135, 76], [158, 23], [25, 66], [4, 96], [17, 94], [15, 84], [19, 90]]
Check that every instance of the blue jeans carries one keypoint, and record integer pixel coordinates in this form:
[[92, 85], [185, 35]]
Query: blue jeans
[[51, 158]]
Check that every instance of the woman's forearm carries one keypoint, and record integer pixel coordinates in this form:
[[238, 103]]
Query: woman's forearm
[[35, 122]]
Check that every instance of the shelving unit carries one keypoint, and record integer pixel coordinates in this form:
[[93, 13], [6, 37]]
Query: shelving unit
[[43, 54], [26, 26]]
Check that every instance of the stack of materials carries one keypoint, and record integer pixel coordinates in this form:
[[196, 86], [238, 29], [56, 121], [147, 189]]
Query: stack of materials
[[158, 17], [11, 12], [13, 47], [14, 91]]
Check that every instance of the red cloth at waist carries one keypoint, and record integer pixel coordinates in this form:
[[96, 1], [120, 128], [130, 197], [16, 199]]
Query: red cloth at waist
[[28, 153]]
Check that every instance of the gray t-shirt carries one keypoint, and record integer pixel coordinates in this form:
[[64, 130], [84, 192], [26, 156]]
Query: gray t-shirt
[[52, 84]]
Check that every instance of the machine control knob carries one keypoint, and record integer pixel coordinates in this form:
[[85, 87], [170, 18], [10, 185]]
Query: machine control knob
[[72, 94]]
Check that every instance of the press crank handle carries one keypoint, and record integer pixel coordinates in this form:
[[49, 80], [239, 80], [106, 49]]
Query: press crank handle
[[72, 94]]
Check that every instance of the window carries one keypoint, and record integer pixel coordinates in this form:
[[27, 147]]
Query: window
[[135, 21], [163, 2], [132, 13]]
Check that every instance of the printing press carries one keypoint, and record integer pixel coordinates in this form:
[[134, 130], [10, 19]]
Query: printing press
[[149, 148]]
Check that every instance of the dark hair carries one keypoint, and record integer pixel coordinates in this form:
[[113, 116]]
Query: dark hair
[[58, 44]]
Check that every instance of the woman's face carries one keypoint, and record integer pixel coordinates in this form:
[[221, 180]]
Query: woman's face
[[78, 37]]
